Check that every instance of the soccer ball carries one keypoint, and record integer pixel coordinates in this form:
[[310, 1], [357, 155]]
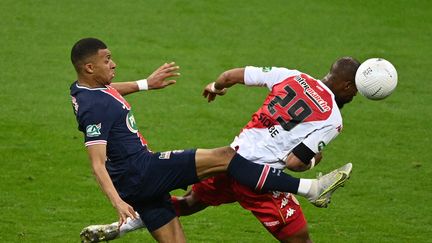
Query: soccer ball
[[376, 78]]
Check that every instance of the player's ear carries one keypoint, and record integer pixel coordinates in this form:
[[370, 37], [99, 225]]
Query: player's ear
[[89, 68], [349, 85]]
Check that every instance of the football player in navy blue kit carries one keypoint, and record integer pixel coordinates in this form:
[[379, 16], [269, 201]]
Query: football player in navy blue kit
[[135, 178]]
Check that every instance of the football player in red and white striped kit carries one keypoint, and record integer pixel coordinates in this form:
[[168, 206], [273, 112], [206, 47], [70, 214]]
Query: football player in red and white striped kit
[[298, 118]]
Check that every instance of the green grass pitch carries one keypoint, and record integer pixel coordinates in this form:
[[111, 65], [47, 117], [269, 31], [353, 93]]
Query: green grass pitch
[[47, 191]]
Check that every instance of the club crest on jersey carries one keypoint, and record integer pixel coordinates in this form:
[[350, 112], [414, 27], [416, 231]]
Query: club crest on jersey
[[266, 69], [93, 130], [131, 123]]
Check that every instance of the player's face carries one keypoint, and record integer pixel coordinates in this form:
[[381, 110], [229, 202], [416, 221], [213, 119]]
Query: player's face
[[104, 67], [349, 91]]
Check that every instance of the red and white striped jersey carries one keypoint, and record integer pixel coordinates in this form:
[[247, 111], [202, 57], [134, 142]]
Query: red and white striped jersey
[[298, 109]]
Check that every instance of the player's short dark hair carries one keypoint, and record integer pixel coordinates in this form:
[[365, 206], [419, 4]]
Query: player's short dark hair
[[85, 48], [346, 68]]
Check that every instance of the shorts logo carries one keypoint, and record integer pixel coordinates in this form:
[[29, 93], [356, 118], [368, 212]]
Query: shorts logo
[[276, 194], [93, 130], [290, 212], [130, 122], [284, 202], [165, 155], [271, 223]]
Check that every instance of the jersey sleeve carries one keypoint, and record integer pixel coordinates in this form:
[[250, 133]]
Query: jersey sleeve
[[96, 122], [266, 76], [317, 140]]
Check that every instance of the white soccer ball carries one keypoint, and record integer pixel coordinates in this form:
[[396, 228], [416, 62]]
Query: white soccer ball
[[376, 78]]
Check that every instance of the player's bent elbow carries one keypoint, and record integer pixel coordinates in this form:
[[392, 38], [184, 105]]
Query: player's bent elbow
[[293, 163], [298, 168]]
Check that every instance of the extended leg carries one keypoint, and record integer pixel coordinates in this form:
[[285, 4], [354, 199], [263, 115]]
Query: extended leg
[[170, 232], [184, 205], [262, 177]]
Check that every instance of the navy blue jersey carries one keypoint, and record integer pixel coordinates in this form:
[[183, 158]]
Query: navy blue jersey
[[142, 178], [105, 117]]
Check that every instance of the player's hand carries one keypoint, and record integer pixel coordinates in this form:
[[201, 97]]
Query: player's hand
[[124, 211], [210, 92], [157, 80]]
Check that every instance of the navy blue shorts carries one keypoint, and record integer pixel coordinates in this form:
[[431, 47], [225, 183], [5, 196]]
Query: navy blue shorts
[[156, 212], [160, 173]]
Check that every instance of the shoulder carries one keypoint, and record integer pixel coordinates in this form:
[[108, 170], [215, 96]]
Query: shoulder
[[88, 99], [272, 70], [267, 76]]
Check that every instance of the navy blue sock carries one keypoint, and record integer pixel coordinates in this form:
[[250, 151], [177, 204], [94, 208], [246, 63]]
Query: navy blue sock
[[261, 177]]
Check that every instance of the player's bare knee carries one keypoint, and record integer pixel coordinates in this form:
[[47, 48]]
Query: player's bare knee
[[212, 161], [224, 153], [301, 236], [222, 157]]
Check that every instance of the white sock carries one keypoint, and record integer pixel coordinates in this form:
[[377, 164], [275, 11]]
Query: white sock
[[304, 187], [131, 225]]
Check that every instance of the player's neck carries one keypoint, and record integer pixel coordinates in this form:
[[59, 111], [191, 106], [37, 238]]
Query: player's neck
[[89, 83], [326, 81]]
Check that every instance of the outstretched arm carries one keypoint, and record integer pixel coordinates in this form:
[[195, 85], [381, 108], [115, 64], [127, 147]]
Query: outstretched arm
[[97, 155], [224, 81], [157, 80]]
